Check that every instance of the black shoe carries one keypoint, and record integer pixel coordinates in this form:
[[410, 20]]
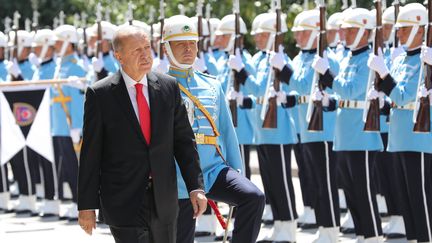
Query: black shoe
[[306, 226], [347, 231], [394, 236], [48, 215], [202, 234], [5, 211], [23, 211], [72, 219], [220, 238]]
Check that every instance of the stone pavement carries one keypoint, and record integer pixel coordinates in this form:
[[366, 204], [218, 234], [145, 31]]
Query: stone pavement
[[19, 229]]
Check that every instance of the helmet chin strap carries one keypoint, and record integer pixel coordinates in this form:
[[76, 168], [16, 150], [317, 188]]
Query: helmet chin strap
[[413, 33], [335, 41], [173, 59], [63, 49], [311, 40], [43, 52], [230, 45], [270, 42], [356, 42]]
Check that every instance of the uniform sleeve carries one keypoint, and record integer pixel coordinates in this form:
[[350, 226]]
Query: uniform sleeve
[[355, 88]]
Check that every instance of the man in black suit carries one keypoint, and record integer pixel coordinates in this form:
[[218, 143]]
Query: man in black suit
[[127, 164]]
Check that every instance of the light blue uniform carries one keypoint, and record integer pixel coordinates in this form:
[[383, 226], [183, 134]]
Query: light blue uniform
[[301, 82], [405, 71], [245, 117], [69, 67], [110, 63], [212, 61], [209, 93], [27, 70], [350, 85], [285, 133], [258, 57], [3, 70]]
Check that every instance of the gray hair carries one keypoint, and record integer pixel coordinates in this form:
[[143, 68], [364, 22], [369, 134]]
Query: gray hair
[[127, 31]]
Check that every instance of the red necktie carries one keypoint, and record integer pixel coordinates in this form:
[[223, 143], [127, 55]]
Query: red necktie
[[143, 113]]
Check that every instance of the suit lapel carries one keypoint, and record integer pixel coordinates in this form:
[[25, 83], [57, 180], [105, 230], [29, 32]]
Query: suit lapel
[[154, 89], [122, 96]]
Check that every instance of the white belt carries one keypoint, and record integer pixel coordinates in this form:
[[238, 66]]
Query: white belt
[[353, 104], [409, 106], [303, 99]]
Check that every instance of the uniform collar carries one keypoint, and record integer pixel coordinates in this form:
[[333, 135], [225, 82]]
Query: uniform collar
[[46, 62], [70, 58], [23, 61], [180, 73], [311, 51], [130, 82], [414, 52], [360, 50]]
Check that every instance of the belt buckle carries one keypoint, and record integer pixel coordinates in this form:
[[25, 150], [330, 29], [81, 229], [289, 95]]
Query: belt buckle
[[199, 138]]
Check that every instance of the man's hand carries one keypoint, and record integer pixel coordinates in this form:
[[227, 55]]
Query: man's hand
[[199, 202], [87, 220]]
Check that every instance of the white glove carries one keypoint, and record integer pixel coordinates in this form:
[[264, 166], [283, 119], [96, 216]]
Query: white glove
[[423, 92], [98, 63], [161, 66], [199, 63], [320, 64], [34, 59], [277, 60], [234, 95], [395, 52], [75, 134], [235, 61], [373, 94], [73, 81], [377, 64], [321, 96], [13, 68], [281, 97], [426, 55]]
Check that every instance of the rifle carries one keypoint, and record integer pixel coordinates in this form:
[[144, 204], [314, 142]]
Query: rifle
[[151, 22], [14, 52], [129, 13], [199, 11], [84, 27], [371, 114], [270, 119], [102, 74], [61, 18], [208, 15], [421, 115], [237, 43], [161, 19], [396, 5], [314, 115], [344, 4], [35, 24]]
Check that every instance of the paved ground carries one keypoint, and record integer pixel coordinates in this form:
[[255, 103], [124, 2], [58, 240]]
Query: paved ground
[[15, 229]]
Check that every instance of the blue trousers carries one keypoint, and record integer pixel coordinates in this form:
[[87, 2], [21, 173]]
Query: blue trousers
[[236, 190]]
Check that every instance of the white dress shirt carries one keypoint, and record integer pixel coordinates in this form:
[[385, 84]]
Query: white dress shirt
[[130, 86]]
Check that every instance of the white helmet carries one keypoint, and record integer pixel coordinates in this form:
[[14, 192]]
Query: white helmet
[[205, 27], [25, 38], [412, 14], [268, 24], [310, 20], [214, 23], [358, 18], [108, 30], [66, 33], [227, 25], [3, 40], [142, 25], [415, 15], [178, 28], [297, 21], [388, 16], [334, 21], [256, 22], [44, 37]]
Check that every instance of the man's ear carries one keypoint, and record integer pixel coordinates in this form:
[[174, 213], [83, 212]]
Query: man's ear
[[118, 56]]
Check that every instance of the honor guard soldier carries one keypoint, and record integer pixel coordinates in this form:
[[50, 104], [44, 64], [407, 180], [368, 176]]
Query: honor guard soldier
[[67, 113], [43, 59], [3, 62], [24, 164], [357, 147], [412, 149], [274, 144], [104, 63], [334, 32], [317, 145], [215, 136], [20, 68], [392, 50]]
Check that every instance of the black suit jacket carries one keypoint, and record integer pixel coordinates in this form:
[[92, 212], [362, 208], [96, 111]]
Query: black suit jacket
[[116, 161]]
